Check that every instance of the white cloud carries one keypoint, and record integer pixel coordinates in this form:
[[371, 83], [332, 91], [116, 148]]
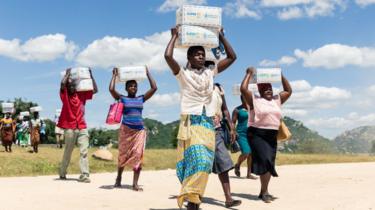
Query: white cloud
[[285, 9], [43, 48], [290, 13], [332, 56], [116, 51], [241, 9], [307, 97], [291, 9], [170, 5], [300, 85], [352, 120], [364, 3], [283, 3], [165, 100], [285, 60], [372, 89], [294, 112]]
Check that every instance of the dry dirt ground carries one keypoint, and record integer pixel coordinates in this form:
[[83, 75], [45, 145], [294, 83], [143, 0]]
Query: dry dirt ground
[[303, 187]]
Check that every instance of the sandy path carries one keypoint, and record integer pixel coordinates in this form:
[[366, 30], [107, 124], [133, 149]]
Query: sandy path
[[330, 186]]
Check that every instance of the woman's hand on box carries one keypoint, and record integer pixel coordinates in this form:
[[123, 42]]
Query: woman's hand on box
[[250, 70], [174, 31], [221, 31], [115, 71]]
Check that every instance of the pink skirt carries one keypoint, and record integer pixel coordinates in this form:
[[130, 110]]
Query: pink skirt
[[131, 147]]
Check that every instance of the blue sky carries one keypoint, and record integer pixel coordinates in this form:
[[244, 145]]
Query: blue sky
[[326, 48]]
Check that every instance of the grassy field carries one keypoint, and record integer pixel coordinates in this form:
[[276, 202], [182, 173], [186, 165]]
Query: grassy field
[[23, 163]]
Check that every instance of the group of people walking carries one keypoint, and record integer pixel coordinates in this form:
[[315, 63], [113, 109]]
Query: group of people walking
[[23, 131], [201, 148]]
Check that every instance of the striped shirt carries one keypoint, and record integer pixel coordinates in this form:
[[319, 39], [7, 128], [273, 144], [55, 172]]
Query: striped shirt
[[132, 114]]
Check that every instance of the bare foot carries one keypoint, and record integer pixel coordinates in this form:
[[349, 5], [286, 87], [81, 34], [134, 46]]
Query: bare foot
[[237, 170], [118, 183], [251, 177], [137, 188]]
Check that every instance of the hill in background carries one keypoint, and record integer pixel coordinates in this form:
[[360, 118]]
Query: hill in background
[[357, 140]]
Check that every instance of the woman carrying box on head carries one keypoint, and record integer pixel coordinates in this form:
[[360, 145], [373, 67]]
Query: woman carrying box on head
[[240, 117], [196, 136], [7, 130], [132, 135], [36, 124], [265, 119]]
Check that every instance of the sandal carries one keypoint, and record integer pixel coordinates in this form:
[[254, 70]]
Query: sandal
[[265, 198], [271, 197], [232, 203], [237, 170]]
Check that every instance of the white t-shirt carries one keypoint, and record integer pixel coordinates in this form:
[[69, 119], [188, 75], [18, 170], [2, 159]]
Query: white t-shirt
[[196, 91]]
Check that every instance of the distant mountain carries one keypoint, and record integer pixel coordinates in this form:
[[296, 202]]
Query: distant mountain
[[358, 140], [161, 136], [305, 140]]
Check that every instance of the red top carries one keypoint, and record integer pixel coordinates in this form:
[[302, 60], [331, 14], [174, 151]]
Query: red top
[[73, 109]]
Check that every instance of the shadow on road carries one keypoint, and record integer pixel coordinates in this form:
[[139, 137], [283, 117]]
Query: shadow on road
[[111, 187], [246, 196], [166, 209], [66, 180]]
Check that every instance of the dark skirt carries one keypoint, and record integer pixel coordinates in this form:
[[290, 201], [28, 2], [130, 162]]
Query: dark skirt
[[222, 161], [7, 136], [263, 143]]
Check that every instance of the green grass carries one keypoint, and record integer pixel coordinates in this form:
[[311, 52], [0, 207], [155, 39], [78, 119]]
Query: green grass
[[23, 163]]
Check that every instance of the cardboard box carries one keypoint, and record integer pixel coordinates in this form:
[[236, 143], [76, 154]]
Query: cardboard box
[[84, 85], [236, 89], [7, 105], [36, 109], [199, 16], [78, 73], [8, 110], [25, 114], [268, 75], [137, 73], [196, 35]]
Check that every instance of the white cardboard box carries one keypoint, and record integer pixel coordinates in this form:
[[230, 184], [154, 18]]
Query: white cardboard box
[[84, 85], [7, 105], [36, 109], [236, 89], [196, 35], [137, 73], [268, 75], [26, 113], [78, 73], [8, 110], [199, 16]]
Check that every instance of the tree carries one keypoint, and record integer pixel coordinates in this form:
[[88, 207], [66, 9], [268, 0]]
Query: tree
[[174, 136], [372, 151]]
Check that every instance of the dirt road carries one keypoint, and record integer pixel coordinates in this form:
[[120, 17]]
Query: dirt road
[[303, 187]]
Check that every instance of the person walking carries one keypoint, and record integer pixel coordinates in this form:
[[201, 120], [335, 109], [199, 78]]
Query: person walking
[[72, 120], [240, 118], [265, 119], [222, 160], [196, 135], [7, 131], [132, 134]]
